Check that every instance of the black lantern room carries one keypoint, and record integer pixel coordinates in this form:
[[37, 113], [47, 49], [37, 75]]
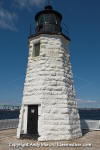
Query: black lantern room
[[48, 21]]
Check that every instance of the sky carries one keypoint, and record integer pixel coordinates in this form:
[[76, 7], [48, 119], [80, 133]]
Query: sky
[[82, 18]]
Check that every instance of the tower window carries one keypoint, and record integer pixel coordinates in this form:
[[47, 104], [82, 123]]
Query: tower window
[[36, 50]]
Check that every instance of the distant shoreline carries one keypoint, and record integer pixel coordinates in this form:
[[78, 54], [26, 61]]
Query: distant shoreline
[[89, 108], [78, 109]]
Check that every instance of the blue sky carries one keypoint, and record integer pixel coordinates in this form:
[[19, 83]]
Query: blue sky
[[82, 18]]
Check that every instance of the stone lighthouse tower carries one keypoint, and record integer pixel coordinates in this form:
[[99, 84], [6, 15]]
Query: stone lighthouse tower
[[49, 109]]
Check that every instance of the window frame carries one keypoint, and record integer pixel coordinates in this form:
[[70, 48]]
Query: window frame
[[34, 50]]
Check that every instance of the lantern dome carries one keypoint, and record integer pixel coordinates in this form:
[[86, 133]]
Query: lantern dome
[[48, 21]]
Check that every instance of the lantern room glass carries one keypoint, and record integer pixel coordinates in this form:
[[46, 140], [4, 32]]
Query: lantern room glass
[[48, 19]]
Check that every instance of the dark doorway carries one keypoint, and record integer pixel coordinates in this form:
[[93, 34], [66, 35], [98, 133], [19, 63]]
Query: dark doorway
[[32, 126]]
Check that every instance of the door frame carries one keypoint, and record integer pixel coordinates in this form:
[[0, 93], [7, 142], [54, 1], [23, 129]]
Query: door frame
[[34, 107]]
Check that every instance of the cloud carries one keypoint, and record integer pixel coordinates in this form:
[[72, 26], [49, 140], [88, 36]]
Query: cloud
[[28, 3], [86, 101], [7, 19]]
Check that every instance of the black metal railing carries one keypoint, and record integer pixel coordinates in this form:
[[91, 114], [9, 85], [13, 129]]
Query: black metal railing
[[63, 29]]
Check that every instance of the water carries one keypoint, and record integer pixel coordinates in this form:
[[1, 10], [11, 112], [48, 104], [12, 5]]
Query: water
[[92, 114], [8, 114]]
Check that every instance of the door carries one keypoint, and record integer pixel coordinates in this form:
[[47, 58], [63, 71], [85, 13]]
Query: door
[[32, 126]]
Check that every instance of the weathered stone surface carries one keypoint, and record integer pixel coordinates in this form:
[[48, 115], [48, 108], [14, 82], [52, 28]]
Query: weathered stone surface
[[49, 84]]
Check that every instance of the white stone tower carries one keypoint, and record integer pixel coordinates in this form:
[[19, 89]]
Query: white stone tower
[[49, 109]]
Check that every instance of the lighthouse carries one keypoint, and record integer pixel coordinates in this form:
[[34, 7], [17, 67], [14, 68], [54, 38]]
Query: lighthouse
[[49, 108]]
